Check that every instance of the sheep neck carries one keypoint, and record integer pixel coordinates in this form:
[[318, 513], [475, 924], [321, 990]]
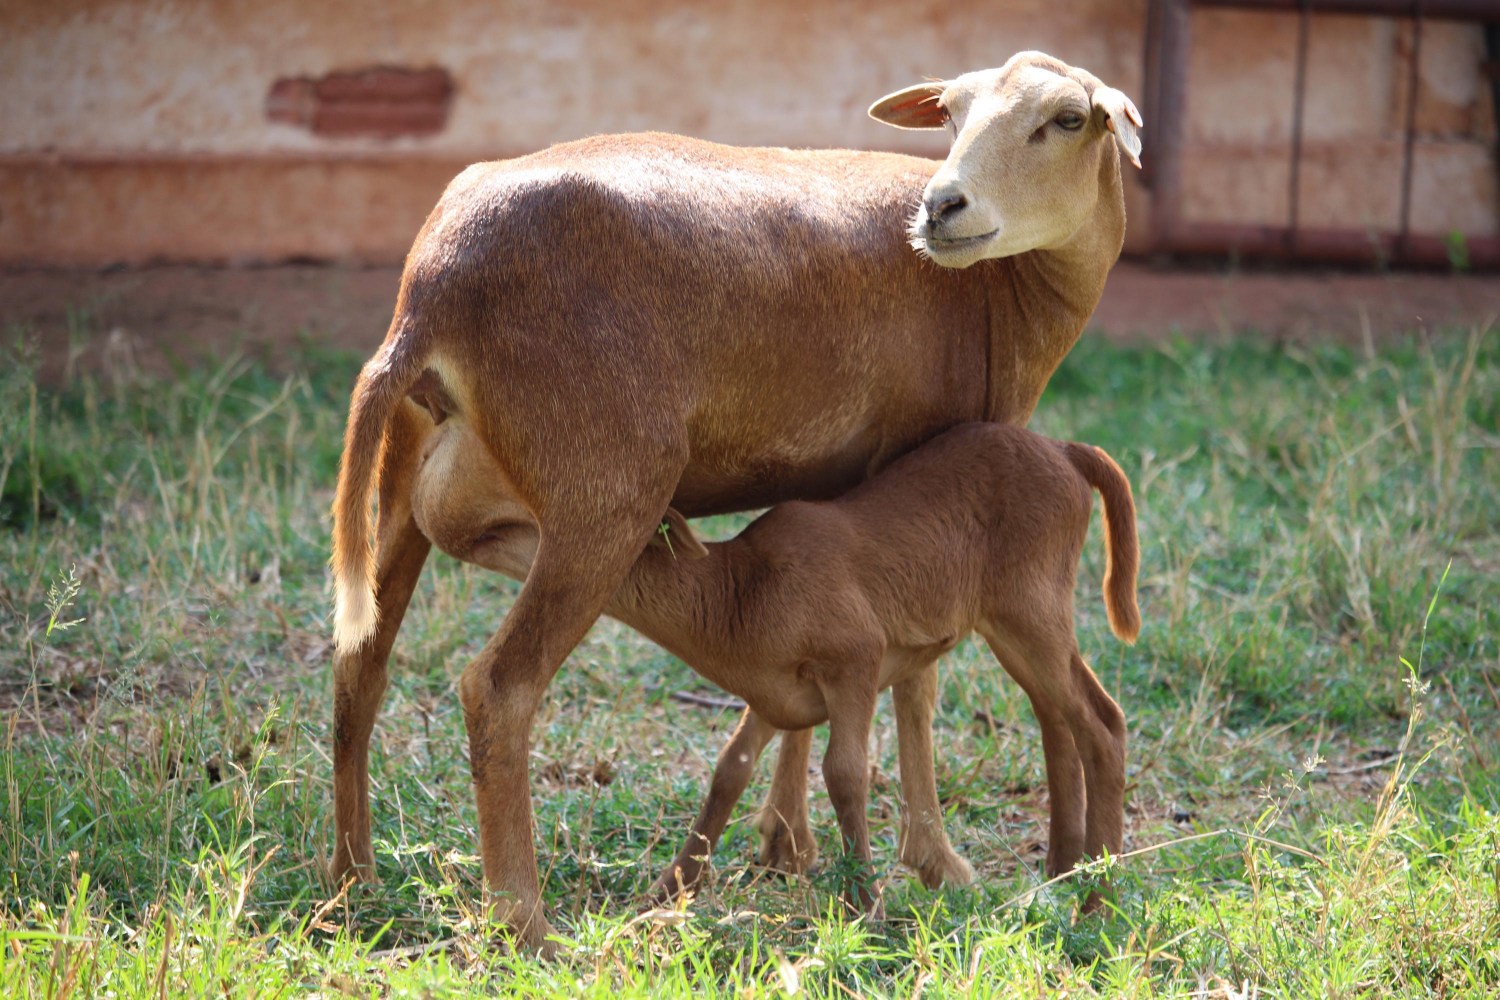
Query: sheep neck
[[1039, 303], [692, 607]]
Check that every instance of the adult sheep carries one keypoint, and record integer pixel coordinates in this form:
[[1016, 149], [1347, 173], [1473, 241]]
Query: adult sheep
[[630, 322]]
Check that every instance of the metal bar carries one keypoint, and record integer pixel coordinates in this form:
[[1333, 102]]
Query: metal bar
[[1408, 152], [1492, 68], [1171, 113], [1167, 55], [1151, 83], [1329, 246], [1299, 99], [1460, 10]]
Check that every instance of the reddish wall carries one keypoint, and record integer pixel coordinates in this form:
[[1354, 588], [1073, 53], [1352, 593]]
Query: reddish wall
[[1237, 158], [138, 130], [142, 130]]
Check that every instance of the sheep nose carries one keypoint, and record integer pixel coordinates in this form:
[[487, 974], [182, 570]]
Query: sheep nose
[[939, 206]]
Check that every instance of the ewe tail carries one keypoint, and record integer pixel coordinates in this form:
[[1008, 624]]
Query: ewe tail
[[1122, 551], [382, 383]]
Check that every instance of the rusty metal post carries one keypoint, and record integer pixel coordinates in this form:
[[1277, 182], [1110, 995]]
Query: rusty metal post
[[1408, 154], [1150, 102], [1492, 71], [1294, 182], [1173, 40], [1167, 57]]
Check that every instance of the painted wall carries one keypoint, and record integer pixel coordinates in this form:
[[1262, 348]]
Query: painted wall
[[142, 130]]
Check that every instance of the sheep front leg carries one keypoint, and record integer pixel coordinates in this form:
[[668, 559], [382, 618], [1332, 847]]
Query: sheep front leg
[[846, 772], [735, 767], [924, 841], [787, 843]]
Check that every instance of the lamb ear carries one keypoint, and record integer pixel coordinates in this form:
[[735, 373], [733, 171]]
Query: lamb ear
[[674, 535], [1121, 118], [912, 108]]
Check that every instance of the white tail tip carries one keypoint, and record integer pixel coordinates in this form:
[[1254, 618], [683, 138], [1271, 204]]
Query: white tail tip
[[353, 616]]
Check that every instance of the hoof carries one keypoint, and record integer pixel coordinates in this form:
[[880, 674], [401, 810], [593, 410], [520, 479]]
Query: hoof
[[343, 872], [530, 935], [941, 868], [673, 884], [786, 851], [866, 900]]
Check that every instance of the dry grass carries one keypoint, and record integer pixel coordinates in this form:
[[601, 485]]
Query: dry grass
[[1314, 785]]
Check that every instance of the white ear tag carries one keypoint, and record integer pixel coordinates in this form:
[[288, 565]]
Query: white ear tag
[[1122, 119]]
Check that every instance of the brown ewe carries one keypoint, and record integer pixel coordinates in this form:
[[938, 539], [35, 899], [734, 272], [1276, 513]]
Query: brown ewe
[[630, 322]]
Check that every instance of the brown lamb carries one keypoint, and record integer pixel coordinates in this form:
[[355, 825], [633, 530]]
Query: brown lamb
[[817, 607]]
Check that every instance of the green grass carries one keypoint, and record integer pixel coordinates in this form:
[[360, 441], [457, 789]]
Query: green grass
[[1314, 800]]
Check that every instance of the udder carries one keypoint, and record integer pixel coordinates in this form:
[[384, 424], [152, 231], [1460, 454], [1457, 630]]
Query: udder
[[464, 503]]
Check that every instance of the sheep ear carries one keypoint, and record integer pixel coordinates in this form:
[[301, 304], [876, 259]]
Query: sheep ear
[[674, 535], [1121, 118], [914, 107]]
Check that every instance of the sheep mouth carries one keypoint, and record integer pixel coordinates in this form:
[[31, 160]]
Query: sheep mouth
[[959, 242]]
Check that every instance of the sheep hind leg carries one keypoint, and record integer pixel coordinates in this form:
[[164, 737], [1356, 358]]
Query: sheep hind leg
[[359, 682], [359, 677], [570, 581], [732, 773], [787, 844], [591, 531], [924, 842], [1042, 669], [1099, 732]]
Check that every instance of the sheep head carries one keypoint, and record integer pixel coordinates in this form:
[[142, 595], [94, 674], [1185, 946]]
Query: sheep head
[[1023, 171]]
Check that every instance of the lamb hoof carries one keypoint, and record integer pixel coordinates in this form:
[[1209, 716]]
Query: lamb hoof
[[528, 935], [673, 885], [788, 852], [345, 871], [866, 900], [940, 869]]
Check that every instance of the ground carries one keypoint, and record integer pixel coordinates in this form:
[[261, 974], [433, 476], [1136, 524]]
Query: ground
[[1312, 804], [187, 311]]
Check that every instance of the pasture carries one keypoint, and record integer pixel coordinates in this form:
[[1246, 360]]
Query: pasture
[[1313, 800]]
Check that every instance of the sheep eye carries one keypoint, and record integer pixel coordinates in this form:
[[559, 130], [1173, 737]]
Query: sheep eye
[[1070, 120]]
